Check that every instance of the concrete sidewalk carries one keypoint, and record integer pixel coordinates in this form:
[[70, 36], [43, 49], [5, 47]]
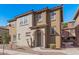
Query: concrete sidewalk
[[11, 52], [67, 51]]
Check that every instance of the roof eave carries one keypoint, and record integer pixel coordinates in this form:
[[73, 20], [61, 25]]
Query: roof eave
[[77, 13]]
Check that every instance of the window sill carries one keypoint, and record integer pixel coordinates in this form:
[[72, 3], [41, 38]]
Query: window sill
[[53, 20], [52, 35], [39, 21], [24, 25]]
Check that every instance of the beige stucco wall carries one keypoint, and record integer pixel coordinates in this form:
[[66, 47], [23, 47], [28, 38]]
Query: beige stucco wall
[[22, 31], [56, 23]]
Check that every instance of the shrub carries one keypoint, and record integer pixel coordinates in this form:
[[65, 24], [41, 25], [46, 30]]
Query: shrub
[[52, 46]]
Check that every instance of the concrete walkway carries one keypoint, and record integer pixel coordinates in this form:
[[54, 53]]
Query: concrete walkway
[[67, 51], [27, 51], [11, 52], [41, 51]]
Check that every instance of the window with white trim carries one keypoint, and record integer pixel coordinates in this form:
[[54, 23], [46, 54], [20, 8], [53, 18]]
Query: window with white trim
[[21, 22], [25, 21]]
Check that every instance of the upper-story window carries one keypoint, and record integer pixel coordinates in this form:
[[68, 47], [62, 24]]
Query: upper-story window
[[23, 21], [38, 17], [52, 15]]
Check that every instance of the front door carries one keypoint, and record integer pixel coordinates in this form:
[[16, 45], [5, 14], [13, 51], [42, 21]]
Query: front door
[[38, 38]]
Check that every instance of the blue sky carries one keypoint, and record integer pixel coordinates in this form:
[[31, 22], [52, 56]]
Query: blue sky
[[9, 11]]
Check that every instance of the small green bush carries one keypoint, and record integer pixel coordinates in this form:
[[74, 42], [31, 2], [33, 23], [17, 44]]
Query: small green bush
[[53, 46]]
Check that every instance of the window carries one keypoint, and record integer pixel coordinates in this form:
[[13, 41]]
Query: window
[[19, 36], [52, 30], [21, 22], [38, 17], [27, 33], [52, 15], [25, 21]]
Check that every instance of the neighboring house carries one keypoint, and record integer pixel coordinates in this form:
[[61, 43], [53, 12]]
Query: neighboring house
[[37, 28], [68, 33], [12, 30], [4, 32], [70, 27], [76, 18]]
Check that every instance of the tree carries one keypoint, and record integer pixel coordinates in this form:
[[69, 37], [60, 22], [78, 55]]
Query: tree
[[5, 37], [65, 24]]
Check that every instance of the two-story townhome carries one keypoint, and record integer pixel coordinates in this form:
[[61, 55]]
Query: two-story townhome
[[68, 34], [39, 28]]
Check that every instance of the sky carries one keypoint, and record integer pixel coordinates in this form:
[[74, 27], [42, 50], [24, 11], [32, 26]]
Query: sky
[[9, 11]]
